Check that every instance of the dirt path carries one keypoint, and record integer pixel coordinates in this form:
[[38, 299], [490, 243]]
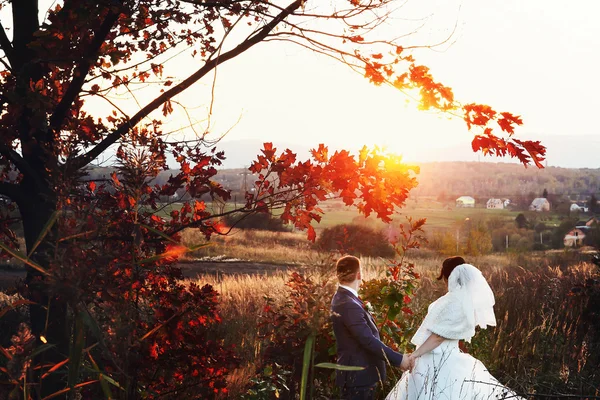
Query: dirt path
[[190, 270]]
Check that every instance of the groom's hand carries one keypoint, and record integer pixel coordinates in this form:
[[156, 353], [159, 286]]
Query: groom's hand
[[407, 362]]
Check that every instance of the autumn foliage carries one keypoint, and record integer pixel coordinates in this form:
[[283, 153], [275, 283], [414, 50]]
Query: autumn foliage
[[107, 311]]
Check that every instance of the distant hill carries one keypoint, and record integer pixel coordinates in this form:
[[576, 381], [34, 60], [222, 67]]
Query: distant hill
[[485, 179], [449, 180], [567, 151], [241, 153]]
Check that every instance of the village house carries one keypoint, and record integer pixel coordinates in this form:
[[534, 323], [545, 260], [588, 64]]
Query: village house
[[576, 236], [540, 204], [465, 201], [577, 207], [494, 204]]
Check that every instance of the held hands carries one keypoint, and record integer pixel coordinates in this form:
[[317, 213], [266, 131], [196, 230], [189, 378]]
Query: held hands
[[408, 362]]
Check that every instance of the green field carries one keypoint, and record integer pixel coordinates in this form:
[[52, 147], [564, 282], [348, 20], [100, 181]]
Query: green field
[[438, 215]]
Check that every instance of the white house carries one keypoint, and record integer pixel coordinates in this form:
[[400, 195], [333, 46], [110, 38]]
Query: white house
[[494, 204], [576, 236], [578, 207], [465, 201], [540, 204], [575, 208], [506, 203]]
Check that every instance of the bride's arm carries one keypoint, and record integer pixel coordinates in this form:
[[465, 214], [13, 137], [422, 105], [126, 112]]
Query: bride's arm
[[431, 343]]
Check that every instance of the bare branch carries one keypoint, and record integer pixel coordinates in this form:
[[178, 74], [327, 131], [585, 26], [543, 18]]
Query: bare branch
[[18, 161], [5, 44], [261, 34], [82, 70]]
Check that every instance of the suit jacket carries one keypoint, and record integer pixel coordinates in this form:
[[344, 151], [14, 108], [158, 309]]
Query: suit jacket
[[358, 342]]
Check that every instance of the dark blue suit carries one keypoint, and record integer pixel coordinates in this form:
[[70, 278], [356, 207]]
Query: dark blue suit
[[358, 343]]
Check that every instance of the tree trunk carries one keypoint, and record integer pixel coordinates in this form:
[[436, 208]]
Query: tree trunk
[[48, 316]]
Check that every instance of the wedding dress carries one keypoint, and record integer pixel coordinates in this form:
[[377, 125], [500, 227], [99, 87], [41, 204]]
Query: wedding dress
[[446, 373]]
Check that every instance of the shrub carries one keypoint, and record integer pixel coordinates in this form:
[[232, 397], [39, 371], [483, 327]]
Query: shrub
[[356, 239], [284, 329], [521, 221], [479, 240], [444, 242], [14, 312]]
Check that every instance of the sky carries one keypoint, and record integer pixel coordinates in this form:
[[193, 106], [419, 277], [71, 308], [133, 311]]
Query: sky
[[538, 59], [535, 58]]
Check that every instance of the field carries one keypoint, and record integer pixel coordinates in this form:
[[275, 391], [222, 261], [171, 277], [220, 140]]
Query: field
[[275, 289], [545, 344], [438, 214]]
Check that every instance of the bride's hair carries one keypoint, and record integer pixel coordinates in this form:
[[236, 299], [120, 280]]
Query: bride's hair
[[448, 266]]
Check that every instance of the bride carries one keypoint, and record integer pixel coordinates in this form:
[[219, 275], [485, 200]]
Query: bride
[[440, 370]]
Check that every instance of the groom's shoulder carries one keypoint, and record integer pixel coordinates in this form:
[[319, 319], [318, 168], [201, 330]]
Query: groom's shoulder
[[343, 301]]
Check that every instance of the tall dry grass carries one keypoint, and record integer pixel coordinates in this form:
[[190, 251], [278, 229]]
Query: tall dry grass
[[548, 333], [547, 339], [286, 248]]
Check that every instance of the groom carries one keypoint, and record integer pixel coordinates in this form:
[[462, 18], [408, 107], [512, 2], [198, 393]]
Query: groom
[[357, 337]]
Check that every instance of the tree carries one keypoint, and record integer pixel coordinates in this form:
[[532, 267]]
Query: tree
[[545, 193], [479, 241], [593, 204], [55, 71], [355, 239], [521, 221]]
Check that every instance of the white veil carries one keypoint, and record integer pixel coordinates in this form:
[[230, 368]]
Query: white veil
[[477, 296], [468, 303]]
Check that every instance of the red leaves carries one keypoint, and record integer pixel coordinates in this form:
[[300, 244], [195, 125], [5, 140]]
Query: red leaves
[[320, 154], [380, 68], [477, 114], [115, 179], [356, 39], [269, 151], [373, 182], [373, 72], [535, 149], [525, 151], [311, 235], [157, 69], [167, 108], [507, 121]]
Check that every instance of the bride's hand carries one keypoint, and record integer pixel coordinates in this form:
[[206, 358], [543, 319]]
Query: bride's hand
[[408, 363], [412, 360]]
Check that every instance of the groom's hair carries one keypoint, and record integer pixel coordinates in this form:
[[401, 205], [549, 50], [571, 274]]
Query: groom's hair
[[346, 268], [448, 266]]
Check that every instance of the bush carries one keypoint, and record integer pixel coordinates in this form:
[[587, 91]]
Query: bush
[[479, 240], [284, 330], [355, 239], [260, 221]]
